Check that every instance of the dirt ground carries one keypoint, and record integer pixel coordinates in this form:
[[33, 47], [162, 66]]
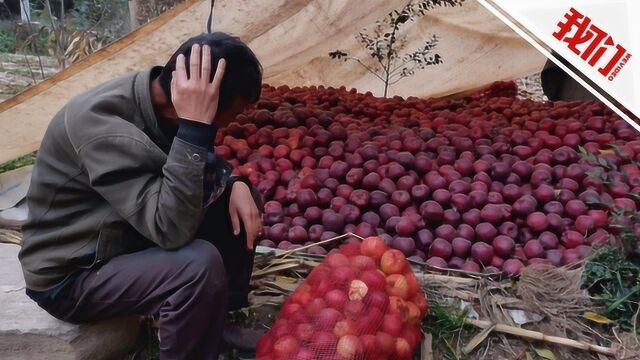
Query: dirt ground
[[17, 72]]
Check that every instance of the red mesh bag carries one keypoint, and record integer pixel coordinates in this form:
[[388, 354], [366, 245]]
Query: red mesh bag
[[362, 302]]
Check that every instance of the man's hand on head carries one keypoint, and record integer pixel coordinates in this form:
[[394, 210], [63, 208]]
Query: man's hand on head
[[243, 209], [194, 97]]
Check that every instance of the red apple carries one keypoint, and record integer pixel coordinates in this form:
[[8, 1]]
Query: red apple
[[397, 285], [350, 347], [373, 246], [392, 324], [403, 349], [374, 279], [386, 343], [344, 327], [393, 262], [285, 346]]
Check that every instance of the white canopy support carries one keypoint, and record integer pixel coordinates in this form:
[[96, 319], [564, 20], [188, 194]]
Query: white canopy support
[[292, 39]]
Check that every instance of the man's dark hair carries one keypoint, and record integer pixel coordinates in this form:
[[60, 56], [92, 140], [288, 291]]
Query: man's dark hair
[[243, 73]]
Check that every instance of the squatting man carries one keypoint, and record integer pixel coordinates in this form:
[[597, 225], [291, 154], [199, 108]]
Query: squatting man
[[131, 212]]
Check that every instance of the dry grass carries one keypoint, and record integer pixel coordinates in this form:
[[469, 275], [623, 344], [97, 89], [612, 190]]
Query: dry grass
[[539, 315]]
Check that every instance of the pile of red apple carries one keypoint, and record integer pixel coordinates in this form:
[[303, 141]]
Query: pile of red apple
[[362, 302], [489, 182]]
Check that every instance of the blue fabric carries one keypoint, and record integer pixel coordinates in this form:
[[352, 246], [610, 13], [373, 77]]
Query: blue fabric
[[49, 295]]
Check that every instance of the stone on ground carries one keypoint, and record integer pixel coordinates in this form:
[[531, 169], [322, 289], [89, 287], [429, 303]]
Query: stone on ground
[[28, 332]]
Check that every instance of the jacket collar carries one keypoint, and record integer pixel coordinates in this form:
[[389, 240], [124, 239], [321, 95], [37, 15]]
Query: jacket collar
[[142, 90]]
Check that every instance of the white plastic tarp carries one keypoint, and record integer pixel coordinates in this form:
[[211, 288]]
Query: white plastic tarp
[[292, 38]]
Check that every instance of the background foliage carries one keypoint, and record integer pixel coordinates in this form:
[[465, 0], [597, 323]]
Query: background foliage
[[69, 30], [7, 41]]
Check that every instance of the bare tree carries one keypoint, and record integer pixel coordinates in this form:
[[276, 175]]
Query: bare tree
[[384, 44], [59, 32]]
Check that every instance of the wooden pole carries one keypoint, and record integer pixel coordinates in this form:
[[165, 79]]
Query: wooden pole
[[339, 237], [535, 335]]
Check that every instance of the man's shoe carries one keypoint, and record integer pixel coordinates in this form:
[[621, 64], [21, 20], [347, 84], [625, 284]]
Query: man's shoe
[[241, 338]]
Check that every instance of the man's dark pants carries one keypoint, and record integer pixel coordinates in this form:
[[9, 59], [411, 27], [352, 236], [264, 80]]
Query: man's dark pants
[[190, 288]]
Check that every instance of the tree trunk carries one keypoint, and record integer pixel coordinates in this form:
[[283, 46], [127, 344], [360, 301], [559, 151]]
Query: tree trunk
[[58, 29], [63, 45], [154, 7], [134, 6], [25, 11]]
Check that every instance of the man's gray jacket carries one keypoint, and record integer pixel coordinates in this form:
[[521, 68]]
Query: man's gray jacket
[[108, 182]]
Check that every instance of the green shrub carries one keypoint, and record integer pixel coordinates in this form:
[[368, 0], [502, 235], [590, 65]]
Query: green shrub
[[7, 41], [614, 283], [108, 18]]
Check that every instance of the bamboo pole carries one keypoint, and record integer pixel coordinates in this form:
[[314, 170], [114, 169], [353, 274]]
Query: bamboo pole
[[339, 237], [463, 281], [535, 335]]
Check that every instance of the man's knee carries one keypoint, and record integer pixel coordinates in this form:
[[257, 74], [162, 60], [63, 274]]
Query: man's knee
[[203, 262]]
